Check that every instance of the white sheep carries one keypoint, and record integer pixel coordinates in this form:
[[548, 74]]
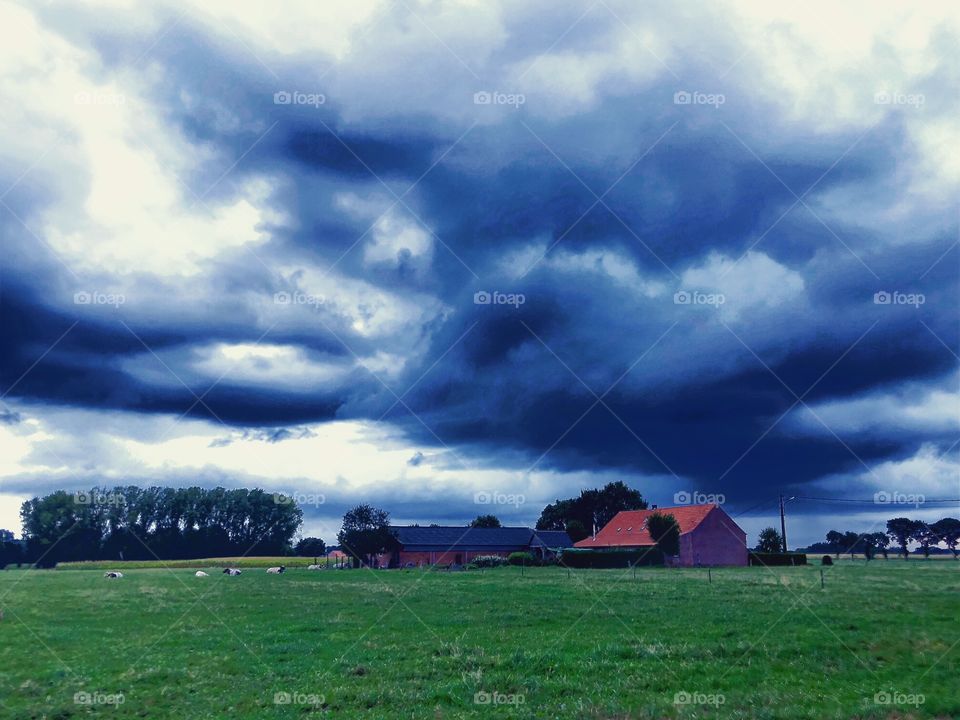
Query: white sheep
[[314, 567], [113, 574], [231, 571], [276, 570], [201, 573]]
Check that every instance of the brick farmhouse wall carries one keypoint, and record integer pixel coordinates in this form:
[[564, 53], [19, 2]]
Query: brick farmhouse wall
[[717, 540]]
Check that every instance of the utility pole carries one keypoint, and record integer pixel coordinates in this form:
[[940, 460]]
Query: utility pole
[[783, 525]]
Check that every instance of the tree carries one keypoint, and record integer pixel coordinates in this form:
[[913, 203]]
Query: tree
[[901, 530], [769, 541], [873, 542], [925, 537], [485, 521], [665, 533], [576, 531], [835, 539], [947, 531], [310, 547], [365, 533], [852, 543], [592, 507]]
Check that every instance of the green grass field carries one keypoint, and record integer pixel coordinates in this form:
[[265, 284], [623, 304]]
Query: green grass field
[[754, 643]]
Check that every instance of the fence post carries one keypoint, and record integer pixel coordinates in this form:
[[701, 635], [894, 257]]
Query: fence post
[[709, 576], [821, 579]]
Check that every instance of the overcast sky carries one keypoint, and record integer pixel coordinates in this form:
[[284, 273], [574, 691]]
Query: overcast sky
[[463, 257]]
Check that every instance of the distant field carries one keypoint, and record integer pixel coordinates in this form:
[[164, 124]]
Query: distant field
[[204, 563], [597, 644]]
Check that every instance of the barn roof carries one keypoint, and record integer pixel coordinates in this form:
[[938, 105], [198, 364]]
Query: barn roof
[[452, 537], [629, 527], [551, 539]]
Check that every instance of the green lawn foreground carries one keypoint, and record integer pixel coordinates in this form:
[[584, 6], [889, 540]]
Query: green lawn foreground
[[161, 643]]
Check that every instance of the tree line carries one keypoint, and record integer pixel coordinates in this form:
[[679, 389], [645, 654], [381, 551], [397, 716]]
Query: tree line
[[134, 523], [900, 533]]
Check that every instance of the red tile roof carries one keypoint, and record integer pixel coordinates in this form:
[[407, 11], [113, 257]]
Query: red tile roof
[[628, 527]]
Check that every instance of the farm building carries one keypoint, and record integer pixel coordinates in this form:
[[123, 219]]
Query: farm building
[[708, 536], [445, 545]]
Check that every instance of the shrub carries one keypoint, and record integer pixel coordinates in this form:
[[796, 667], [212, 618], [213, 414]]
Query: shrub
[[486, 561], [769, 559], [579, 558], [521, 558]]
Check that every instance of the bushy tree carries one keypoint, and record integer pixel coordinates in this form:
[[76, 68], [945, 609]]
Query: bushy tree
[[592, 507], [872, 542], [365, 533], [901, 530], [947, 531], [485, 521], [665, 531], [310, 547], [576, 531], [769, 541]]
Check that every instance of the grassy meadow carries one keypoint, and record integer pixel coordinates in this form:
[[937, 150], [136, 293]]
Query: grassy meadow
[[876, 642]]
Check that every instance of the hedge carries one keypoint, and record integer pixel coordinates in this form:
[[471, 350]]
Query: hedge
[[585, 558], [771, 558]]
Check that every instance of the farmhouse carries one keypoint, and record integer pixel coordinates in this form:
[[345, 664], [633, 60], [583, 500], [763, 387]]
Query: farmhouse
[[445, 545], [708, 536]]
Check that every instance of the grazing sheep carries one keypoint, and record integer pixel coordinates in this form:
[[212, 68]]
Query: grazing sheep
[[113, 574], [201, 573], [314, 567], [231, 571], [276, 570]]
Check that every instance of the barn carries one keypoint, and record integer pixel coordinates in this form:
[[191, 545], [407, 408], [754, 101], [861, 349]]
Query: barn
[[708, 536], [450, 545]]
